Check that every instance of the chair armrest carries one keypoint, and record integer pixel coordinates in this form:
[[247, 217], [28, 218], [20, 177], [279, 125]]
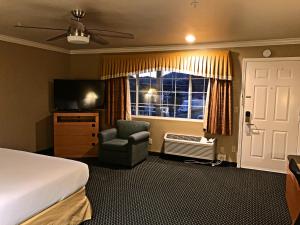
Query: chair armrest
[[295, 170], [138, 137], [107, 135]]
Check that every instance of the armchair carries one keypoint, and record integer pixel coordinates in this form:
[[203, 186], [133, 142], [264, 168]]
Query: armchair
[[125, 145]]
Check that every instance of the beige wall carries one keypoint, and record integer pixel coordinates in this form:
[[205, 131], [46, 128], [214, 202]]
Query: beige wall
[[26, 74], [25, 85], [159, 126], [85, 66]]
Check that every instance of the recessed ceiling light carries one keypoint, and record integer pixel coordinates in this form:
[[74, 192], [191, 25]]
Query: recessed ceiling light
[[190, 38]]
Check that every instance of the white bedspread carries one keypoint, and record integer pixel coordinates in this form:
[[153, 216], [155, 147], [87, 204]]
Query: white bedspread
[[29, 183]]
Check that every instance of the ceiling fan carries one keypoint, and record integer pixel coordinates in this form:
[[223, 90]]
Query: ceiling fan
[[77, 33]]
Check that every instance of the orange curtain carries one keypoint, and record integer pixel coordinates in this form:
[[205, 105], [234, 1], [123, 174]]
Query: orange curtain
[[215, 65], [116, 100], [219, 115], [210, 64]]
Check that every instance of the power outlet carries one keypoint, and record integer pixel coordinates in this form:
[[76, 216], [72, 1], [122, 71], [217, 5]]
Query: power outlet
[[150, 141], [221, 157]]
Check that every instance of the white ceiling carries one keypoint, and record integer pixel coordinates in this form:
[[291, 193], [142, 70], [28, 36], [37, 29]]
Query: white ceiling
[[156, 22]]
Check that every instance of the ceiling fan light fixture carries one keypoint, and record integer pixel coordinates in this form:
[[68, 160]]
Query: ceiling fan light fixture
[[78, 39]]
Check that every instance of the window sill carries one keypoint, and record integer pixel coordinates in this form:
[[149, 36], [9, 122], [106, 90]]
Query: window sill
[[168, 118]]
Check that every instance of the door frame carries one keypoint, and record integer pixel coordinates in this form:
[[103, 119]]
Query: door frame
[[242, 94]]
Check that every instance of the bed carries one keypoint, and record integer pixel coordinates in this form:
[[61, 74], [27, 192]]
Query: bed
[[39, 189]]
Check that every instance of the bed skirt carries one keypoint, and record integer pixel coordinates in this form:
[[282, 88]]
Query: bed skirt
[[70, 211]]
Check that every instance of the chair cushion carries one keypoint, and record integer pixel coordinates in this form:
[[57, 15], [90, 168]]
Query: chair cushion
[[127, 127], [116, 144]]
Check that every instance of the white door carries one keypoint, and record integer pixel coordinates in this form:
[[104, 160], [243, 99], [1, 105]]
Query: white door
[[272, 99]]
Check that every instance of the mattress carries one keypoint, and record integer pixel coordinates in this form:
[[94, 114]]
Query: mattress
[[30, 183]]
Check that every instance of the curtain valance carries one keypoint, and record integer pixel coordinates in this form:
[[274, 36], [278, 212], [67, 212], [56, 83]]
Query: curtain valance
[[210, 64]]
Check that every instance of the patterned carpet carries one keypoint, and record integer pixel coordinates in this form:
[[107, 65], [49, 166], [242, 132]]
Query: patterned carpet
[[160, 191]]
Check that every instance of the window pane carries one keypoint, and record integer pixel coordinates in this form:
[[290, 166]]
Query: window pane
[[197, 112], [158, 98], [198, 99], [206, 84], [168, 84], [155, 110], [132, 84], [154, 82], [168, 74], [168, 97], [198, 85], [182, 75], [142, 97], [167, 110], [157, 91], [181, 111], [182, 85], [152, 110], [144, 110], [144, 83], [149, 97], [133, 112], [182, 98], [145, 80], [133, 97], [164, 111]]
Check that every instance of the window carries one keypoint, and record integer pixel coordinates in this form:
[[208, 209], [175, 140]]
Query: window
[[168, 94]]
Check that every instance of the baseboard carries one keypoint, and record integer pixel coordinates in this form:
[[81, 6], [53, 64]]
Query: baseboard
[[183, 158], [229, 164], [155, 153], [47, 151], [50, 152]]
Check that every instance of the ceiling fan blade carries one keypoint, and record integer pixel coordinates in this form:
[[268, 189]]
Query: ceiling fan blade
[[40, 28], [98, 40], [115, 35], [110, 33], [58, 37]]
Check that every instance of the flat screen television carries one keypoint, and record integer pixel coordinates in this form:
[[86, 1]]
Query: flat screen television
[[78, 95]]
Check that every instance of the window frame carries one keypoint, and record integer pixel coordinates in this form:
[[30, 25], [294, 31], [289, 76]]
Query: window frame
[[190, 93]]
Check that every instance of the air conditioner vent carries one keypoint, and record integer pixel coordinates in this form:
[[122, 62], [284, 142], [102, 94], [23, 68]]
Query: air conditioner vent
[[184, 137], [189, 146]]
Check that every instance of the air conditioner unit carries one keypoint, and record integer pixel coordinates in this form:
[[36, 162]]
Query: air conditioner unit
[[189, 146]]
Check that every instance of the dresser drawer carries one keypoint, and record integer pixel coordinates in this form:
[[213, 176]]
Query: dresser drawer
[[69, 130], [75, 140]]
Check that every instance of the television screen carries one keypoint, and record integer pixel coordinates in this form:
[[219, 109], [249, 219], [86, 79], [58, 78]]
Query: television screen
[[78, 95]]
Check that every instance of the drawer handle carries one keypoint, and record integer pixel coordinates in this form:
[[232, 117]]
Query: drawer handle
[[93, 144], [93, 135], [93, 125]]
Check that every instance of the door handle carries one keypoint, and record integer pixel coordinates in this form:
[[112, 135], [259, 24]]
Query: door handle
[[255, 131]]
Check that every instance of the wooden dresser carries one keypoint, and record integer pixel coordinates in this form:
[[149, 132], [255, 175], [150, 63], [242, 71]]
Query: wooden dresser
[[76, 134]]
